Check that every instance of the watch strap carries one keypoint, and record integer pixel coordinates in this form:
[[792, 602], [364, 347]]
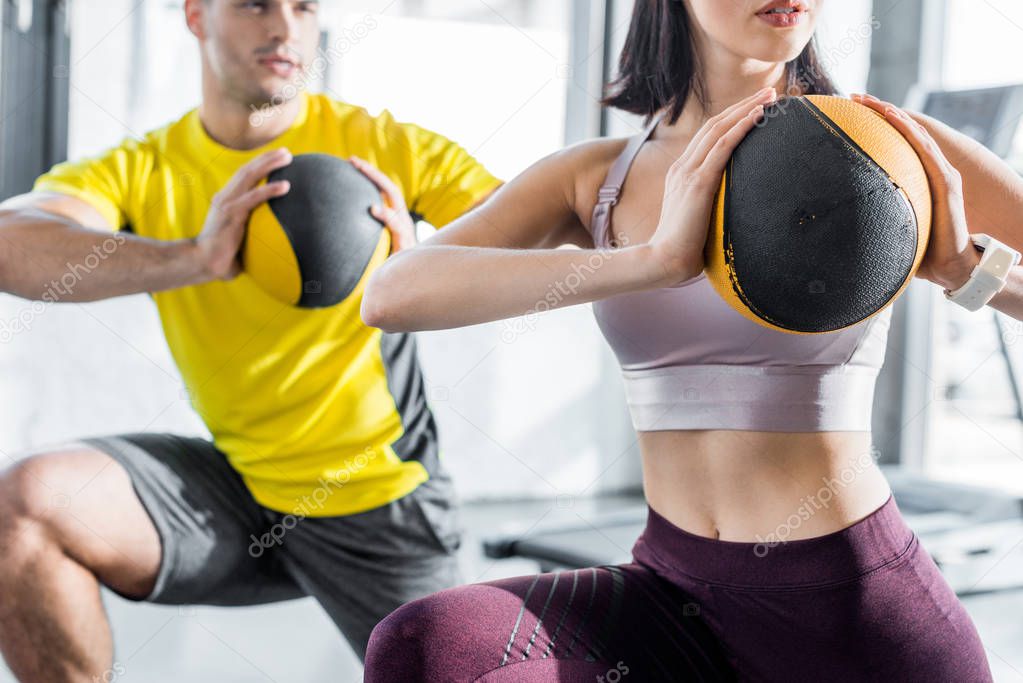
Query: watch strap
[[988, 277]]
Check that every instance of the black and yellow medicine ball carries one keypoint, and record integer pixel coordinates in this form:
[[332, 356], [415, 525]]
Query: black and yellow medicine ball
[[822, 217], [316, 245]]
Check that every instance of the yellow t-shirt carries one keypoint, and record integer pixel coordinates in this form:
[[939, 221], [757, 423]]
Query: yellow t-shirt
[[320, 414]]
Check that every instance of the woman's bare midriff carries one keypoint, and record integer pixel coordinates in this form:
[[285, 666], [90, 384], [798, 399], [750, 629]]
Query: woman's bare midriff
[[759, 487]]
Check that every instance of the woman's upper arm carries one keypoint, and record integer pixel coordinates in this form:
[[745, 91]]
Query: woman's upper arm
[[536, 210], [992, 190]]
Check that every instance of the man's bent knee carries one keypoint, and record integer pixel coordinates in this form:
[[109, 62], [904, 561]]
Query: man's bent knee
[[24, 492], [82, 502]]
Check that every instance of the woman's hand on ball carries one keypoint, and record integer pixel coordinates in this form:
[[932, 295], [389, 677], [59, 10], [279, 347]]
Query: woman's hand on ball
[[950, 255], [692, 184], [393, 213], [221, 238]]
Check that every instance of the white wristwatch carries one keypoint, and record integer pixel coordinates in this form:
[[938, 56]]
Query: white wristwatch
[[988, 277]]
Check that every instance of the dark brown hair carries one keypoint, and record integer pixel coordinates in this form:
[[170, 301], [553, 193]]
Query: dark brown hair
[[658, 67]]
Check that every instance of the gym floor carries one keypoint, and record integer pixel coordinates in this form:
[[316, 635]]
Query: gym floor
[[296, 643]]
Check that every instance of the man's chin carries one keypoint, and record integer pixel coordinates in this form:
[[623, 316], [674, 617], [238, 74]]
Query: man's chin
[[275, 92], [267, 98]]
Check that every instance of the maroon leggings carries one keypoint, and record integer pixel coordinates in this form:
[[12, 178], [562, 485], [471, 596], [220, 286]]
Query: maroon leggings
[[866, 603]]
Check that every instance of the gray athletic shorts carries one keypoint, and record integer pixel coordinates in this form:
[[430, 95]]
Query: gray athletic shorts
[[220, 547]]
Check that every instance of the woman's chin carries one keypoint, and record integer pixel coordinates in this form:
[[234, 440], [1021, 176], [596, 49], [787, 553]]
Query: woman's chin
[[777, 52]]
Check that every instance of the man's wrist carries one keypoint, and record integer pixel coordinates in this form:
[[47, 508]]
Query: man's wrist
[[194, 262]]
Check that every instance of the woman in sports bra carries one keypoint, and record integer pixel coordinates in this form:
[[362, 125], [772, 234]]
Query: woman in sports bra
[[773, 549]]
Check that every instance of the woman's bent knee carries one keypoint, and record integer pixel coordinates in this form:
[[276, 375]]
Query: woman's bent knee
[[442, 637]]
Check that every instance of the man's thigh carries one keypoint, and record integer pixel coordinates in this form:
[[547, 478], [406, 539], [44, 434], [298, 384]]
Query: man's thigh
[[205, 518], [80, 500], [362, 567]]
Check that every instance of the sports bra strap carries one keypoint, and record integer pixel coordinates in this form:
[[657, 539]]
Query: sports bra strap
[[611, 191]]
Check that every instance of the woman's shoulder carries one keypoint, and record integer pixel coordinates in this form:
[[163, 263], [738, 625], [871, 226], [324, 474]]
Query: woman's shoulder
[[595, 155], [590, 161]]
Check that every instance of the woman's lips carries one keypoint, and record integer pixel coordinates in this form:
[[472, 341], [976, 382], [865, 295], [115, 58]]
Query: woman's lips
[[783, 19]]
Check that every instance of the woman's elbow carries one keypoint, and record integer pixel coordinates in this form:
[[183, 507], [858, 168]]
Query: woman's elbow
[[380, 306], [6, 255]]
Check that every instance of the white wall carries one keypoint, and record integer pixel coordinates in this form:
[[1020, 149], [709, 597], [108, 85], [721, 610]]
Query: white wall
[[844, 35]]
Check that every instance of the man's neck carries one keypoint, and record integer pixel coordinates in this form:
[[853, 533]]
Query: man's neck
[[238, 127]]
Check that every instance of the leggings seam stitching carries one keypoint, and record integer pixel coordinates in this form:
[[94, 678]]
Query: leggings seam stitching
[[527, 661]]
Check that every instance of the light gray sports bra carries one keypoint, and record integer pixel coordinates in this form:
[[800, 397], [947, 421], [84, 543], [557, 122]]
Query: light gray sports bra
[[690, 361]]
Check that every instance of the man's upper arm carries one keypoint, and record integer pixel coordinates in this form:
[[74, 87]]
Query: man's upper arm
[[445, 180], [94, 186], [66, 206], [535, 210]]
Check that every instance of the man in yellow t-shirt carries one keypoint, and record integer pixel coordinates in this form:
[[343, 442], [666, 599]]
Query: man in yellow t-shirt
[[322, 478]]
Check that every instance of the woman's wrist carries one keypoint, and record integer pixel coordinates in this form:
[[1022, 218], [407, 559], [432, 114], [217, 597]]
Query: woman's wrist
[[957, 273], [656, 270]]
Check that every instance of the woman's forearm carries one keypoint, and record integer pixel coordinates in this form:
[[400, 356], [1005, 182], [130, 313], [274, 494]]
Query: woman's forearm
[[440, 287], [992, 190], [1010, 300], [458, 283]]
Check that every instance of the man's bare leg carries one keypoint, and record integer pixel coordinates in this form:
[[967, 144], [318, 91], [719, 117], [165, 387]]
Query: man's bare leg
[[69, 520]]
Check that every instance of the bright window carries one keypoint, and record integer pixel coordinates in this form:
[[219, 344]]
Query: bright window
[[983, 43], [488, 78]]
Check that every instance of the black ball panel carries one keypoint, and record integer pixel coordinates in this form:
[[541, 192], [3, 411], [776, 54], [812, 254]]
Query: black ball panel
[[819, 237], [327, 220]]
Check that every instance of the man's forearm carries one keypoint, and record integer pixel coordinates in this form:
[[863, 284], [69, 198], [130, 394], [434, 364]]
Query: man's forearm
[[46, 257]]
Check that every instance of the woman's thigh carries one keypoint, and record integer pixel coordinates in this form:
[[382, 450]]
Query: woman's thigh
[[897, 622], [596, 624]]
